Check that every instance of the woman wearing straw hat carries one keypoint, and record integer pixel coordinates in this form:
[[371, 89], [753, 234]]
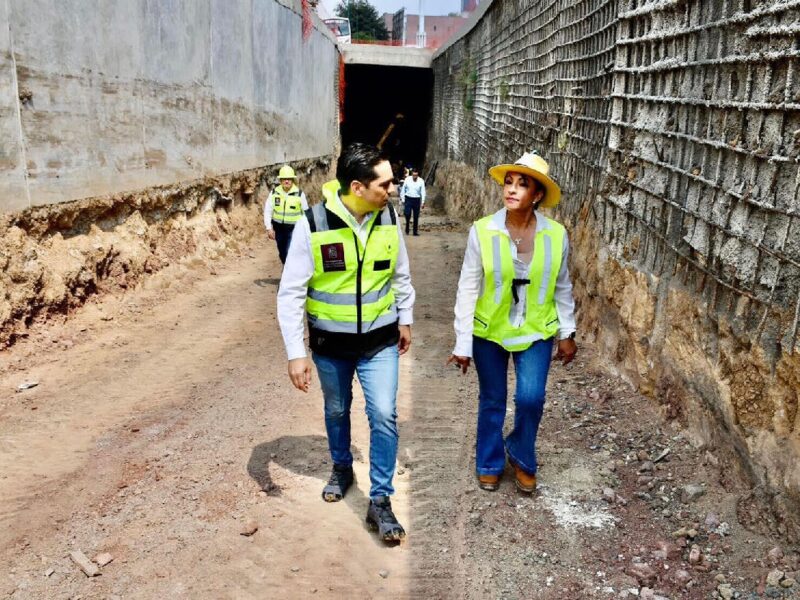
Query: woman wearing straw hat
[[514, 299]]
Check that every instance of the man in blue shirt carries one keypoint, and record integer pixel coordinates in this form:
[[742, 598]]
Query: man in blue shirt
[[412, 195]]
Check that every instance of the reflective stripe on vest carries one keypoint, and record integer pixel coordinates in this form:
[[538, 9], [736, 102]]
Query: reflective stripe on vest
[[286, 206], [351, 288], [493, 309]]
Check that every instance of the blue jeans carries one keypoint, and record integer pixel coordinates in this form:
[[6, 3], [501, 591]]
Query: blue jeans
[[531, 365], [411, 206], [378, 378]]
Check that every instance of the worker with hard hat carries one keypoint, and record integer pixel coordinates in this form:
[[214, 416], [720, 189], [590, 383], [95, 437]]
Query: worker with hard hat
[[514, 301], [284, 207]]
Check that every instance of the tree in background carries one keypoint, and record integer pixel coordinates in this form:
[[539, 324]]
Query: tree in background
[[365, 22]]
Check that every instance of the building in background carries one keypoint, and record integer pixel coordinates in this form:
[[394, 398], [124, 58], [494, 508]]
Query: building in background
[[397, 26], [403, 27]]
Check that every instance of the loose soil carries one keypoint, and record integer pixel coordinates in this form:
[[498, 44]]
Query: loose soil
[[164, 425]]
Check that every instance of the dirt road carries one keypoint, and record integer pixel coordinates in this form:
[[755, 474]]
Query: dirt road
[[163, 425]]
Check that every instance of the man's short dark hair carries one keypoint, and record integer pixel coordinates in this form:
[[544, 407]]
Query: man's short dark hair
[[357, 162]]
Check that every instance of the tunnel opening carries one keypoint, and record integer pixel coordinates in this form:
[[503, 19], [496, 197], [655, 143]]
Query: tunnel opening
[[389, 107]]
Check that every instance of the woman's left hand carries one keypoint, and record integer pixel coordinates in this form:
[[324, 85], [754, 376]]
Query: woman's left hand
[[567, 349], [462, 362]]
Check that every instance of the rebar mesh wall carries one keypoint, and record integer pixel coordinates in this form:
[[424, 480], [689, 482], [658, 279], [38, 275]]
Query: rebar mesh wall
[[530, 75], [705, 116], [676, 120]]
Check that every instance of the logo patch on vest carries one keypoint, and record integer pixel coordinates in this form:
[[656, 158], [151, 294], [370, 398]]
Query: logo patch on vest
[[277, 201], [333, 257]]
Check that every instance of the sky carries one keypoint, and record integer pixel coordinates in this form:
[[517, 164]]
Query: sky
[[432, 7]]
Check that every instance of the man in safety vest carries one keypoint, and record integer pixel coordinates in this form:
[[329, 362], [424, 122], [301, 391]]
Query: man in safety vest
[[348, 269], [284, 207]]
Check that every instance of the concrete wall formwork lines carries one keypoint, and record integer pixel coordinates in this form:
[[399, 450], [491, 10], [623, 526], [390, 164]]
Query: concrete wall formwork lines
[[12, 162], [672, 127], [122, 95]]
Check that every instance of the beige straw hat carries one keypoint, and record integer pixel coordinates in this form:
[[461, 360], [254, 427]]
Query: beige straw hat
[[534, 165]]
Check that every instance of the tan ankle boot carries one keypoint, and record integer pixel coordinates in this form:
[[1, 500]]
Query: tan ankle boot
[[526, 482], [489, 482]]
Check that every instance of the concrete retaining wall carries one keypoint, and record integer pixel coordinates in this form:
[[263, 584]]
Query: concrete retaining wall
[[99, 97], [672, 128], [138, 133]]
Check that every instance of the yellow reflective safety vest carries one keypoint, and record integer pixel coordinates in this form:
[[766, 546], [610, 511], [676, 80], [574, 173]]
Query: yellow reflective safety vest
[[350, 293], [492, 311], [286, 206]]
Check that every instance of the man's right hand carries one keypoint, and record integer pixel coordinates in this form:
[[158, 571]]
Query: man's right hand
[[271, 234], [300, 373]]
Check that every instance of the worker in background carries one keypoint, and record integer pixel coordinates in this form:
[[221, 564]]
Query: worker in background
[[348, 270], [284, 207], [412, 195]]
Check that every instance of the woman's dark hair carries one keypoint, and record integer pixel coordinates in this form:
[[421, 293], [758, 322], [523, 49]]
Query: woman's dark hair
[[537, 185], [357, 162]]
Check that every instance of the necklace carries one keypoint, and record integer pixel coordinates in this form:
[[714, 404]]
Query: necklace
[[517, 240]]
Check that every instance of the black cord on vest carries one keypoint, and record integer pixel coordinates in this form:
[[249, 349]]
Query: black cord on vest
[[514, 285]]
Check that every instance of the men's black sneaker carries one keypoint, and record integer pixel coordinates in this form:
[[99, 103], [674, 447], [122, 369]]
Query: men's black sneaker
[[380, 518], [341, 479]]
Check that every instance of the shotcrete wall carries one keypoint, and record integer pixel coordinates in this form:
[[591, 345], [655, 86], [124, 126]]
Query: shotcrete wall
[[137, 132], [116, 95], [672, 126]]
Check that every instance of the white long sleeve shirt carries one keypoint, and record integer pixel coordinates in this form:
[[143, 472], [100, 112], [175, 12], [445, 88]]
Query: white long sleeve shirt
[[269, 208], [299, 268], [470, 286], [414, 189]]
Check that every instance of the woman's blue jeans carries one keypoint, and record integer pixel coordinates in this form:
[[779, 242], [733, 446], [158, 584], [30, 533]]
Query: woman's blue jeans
[[378, 378], [531, 365]]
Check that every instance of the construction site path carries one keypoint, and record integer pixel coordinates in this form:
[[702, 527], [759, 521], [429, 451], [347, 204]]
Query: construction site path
[[160, 428]]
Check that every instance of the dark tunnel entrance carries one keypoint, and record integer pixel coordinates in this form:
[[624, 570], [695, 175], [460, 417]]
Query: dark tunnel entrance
[[390, 106]]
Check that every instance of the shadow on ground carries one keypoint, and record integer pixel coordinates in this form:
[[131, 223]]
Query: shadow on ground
[[305, 455]]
